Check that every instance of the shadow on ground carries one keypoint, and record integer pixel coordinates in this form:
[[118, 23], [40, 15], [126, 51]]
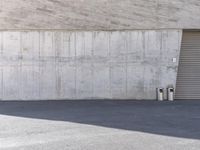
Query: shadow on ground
[[178, 119]]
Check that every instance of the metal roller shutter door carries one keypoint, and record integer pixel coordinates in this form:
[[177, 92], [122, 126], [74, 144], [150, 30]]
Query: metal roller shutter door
[[188, 79]]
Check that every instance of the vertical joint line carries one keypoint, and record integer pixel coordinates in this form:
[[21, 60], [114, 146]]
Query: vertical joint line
[[110, 65], [127, 50], [75, 65], [39, 55], [92, 52]]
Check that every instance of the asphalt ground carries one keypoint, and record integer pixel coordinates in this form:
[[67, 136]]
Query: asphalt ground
[[99, 125]]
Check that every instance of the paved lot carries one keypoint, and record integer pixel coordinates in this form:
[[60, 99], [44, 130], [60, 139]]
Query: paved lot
[[100, 125]]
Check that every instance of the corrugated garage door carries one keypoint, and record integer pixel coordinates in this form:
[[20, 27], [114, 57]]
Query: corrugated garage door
[[188, 80]]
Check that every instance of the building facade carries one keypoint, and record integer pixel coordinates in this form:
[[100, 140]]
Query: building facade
[[98, 49]]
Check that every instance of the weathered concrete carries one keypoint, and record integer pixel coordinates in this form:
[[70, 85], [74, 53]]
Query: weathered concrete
[[99, 14], [100, 125], [79, 65]]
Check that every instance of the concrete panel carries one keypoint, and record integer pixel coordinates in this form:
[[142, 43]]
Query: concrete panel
[[84, 82], [29, 83], [67, 81], [47, 45], [12, 44], [152, 44], [45, 65], [101, 81], [29, 69], [135, 49], [11, 82], [135, 81], [64, 45], [72, 47], [80, 44], [150, 80], [101, 44], [88, 44], [30, 45], [118, 82], [1, 83], [1, 68], [47, 81], [99, 14]]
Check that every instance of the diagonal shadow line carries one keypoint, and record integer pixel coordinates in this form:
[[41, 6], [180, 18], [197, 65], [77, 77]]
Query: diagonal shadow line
[[177, 119]]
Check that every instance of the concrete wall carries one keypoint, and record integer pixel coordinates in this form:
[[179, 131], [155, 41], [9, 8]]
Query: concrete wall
[[99, 14], [77, 65]]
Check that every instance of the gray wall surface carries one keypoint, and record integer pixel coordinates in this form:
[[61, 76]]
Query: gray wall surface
[[78, 65], [99, 14]]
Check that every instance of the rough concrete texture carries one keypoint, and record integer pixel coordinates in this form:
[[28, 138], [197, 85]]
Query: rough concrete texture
[[81, 65], [99, 14], [100, 125]]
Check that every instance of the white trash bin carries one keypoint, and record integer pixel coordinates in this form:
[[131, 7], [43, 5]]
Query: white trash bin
[[160, 94], [170, 94]]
